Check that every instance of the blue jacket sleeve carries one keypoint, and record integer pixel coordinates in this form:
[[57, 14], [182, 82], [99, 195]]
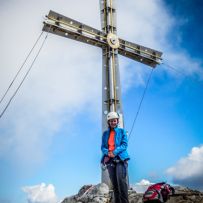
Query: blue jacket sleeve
[[124, 144], [104, 147]]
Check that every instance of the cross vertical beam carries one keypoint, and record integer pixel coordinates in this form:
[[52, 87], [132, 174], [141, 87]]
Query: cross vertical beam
[[111, 91]]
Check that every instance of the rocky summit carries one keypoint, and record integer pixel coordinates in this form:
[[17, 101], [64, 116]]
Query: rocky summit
[[101, 194]]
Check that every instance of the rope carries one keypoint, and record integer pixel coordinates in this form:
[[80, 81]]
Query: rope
[[140, 104], [24, 76], [21, 68]]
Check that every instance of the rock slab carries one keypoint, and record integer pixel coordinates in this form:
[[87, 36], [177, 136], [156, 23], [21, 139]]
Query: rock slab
[[100, 193]]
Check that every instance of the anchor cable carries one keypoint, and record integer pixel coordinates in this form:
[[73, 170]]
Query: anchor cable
[[140, 104], [173, 68], [20, 68], [2, 113], [179, 72]]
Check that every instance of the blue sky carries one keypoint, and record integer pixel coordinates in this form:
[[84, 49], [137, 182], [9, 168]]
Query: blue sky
[[50, 135]]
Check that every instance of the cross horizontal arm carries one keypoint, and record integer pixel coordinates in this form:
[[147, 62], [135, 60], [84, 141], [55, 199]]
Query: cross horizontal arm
[[69, 28], [139, 53]]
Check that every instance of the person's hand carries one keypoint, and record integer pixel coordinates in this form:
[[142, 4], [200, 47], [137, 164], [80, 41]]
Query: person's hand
[[110, 154]]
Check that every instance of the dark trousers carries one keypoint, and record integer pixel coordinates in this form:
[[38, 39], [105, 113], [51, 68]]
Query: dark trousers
[[118, 177]]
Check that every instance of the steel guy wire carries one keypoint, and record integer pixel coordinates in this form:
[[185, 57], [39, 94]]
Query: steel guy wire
[[169, 66], [140, 104], [20, 68], [179, 72], [173, 68], [24, 76]]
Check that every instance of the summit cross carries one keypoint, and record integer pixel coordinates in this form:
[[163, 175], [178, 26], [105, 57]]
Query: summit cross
[[111, 46]]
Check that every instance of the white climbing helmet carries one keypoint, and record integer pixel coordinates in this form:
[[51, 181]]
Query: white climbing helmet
[[112, 115]]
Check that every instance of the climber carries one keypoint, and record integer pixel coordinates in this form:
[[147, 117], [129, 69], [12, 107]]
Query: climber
[[115, 157]]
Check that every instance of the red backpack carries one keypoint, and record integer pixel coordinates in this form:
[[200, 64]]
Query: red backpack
[[158, 192]]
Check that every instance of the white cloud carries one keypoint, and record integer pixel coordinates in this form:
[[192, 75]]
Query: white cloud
[[139, 22], [141, 186], [40, 193], [189, 170]]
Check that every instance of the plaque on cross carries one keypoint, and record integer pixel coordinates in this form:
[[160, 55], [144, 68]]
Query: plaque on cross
[[111, 46]]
